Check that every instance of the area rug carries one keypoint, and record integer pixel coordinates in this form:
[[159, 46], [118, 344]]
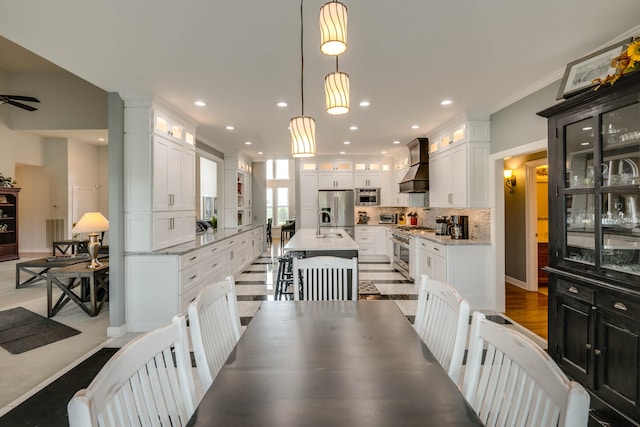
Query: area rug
[[366, 287], [48, 407], [23, 330]]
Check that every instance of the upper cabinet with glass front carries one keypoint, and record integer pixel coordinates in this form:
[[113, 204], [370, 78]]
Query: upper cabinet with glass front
[[595, 187]]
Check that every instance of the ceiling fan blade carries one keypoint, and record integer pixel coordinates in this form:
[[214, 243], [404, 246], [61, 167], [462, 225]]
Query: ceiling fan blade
[[21, 105], [20, 98]]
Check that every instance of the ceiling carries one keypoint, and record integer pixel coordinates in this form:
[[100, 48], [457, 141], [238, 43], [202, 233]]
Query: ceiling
[[242, 57]]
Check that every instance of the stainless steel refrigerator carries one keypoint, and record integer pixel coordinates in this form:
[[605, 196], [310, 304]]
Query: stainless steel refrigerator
[[340, 205]]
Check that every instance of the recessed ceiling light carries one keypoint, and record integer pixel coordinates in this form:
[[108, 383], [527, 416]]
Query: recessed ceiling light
[[364, 103], [584, 143], [101, 139], [200, 103], [247, 143], [354, 127], [229, 127], [396, 142], [415, 126], [282, 104], [383, 152], [587, 128], [347, 143], [260, 152], [342, 152], [446, 102]]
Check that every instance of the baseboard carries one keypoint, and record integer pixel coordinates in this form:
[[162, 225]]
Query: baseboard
[[116, 331], [515, 282]]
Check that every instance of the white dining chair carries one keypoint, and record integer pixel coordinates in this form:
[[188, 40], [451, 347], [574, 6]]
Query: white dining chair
[[214, 327], [442, 321], [325, 278], [141, 385], [517, 383]]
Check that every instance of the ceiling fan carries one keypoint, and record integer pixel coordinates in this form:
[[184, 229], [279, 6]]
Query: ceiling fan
[[13, 100]]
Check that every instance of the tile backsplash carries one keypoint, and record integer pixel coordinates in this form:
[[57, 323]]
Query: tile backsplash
[[479, 219]]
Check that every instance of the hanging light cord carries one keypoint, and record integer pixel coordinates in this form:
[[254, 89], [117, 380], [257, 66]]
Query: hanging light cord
[[302, 56]]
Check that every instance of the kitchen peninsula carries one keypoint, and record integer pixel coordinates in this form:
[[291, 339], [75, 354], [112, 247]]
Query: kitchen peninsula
[[333, 242]]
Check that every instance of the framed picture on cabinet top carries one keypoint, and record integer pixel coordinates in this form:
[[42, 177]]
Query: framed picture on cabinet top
[[580, 74]]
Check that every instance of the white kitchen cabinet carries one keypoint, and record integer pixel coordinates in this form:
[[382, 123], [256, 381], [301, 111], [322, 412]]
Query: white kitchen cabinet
[[459, 176], [398, 198], [367, 174], [308, 195], [160, 286], [367, 179], [335, 180], [466, 267], [459, 166], [365, 238], [372, 240], [159, 173]]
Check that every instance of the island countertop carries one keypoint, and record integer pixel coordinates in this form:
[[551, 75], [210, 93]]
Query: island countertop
[[305, 240]]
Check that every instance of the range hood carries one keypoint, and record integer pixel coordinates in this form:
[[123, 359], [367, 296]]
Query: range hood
[[417, 178]]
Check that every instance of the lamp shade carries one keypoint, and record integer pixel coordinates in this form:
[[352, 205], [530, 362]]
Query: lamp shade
[[303, 136], [333, 28], [91, 222], [336, 90]]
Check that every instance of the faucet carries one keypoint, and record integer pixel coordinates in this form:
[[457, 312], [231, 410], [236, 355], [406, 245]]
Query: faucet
[[320, 216]]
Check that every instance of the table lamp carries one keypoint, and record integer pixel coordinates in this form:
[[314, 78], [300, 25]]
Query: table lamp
[[91, 223]]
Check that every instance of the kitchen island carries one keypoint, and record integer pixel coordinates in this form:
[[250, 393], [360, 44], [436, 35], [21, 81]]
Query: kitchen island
[[331, 242]]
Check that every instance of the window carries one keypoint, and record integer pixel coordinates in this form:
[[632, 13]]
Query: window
[[279, 191]]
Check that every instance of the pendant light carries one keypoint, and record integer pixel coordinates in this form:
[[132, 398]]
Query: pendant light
[[336, 91], [302, 128], [333, 28]]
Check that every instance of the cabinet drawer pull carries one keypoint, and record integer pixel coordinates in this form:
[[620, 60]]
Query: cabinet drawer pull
[[620, 306], [573, 290], [192, 258], [193, 277], [436, 249], [588, 346], [597, 352]]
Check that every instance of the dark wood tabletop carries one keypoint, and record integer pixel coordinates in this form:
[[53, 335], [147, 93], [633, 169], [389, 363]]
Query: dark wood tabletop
[[337, 363]]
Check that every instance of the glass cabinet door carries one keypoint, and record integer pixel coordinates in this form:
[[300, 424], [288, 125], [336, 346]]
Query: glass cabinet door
[[579, 181], [620, 177]]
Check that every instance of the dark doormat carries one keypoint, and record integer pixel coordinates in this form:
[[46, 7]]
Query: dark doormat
[[23, 330], [48, 407]]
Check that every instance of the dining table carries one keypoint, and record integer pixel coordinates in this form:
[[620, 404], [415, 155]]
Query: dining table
[[332, 363]]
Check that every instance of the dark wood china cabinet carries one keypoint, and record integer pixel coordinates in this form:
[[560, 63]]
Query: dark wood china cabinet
[[9, 223], [594, 246]]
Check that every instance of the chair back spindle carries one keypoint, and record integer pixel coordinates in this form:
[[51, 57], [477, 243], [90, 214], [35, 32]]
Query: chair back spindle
[[442, 321], [517, 383], [215, 328], [325, 278]]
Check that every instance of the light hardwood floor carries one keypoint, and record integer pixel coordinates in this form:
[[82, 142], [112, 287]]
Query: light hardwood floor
[[529, 309]]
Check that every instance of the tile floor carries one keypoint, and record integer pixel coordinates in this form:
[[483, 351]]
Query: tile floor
[[23, 375]]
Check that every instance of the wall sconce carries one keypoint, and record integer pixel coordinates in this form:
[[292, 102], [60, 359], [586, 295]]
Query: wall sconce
[[509, 180]]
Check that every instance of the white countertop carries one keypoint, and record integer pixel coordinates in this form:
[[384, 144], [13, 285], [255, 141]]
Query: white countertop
[[443, 240], [305, 240]]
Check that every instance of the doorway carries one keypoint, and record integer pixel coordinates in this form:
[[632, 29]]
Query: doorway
[[522, 233]]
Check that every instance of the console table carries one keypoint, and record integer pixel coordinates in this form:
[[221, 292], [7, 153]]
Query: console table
[[80, 278]]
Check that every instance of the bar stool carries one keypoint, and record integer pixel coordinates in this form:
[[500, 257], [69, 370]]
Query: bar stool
[[284, 281], [287, 231]]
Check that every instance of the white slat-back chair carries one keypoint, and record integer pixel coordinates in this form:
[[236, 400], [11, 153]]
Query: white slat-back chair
[[215, 328], [141, 385], [442, 321], [325, 278], [517, 383]]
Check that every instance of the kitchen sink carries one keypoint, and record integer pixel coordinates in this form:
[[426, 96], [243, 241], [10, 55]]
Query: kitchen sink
[[329, 236]]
